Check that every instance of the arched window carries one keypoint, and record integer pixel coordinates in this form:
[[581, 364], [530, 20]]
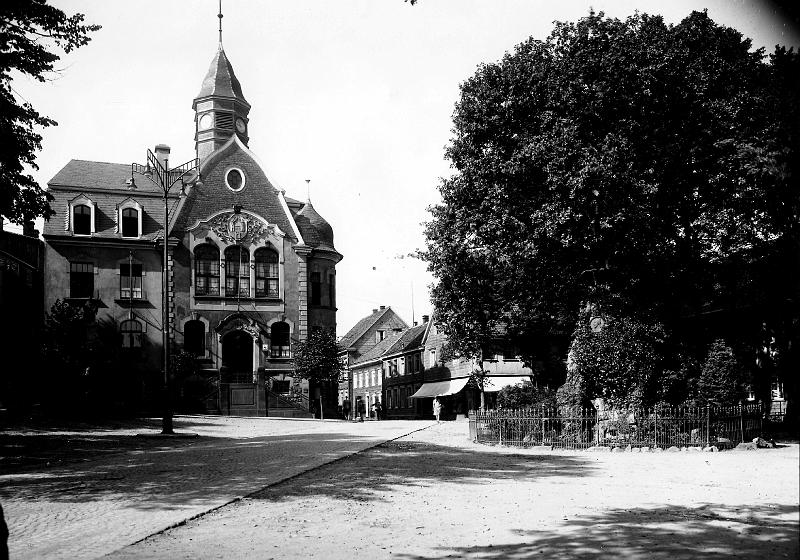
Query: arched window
[[279, 340], [81, 220], [131, 331], [237, 272], [206, 271], [266, 273], [130, 222], [194, 337]]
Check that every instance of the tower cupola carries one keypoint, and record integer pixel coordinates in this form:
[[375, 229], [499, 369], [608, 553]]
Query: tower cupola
[[220, 108]]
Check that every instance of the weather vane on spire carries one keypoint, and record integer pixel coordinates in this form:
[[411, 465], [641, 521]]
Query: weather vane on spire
[[219, 15]]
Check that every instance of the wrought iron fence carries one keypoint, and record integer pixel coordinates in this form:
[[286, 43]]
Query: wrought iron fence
[[645, 427]]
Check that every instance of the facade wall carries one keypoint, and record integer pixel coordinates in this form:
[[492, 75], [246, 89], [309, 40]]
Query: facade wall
[[403, 376], [367, 385], [389, 324], [113, 308]]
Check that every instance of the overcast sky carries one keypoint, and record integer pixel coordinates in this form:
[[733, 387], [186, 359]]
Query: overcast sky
[[356, 95]]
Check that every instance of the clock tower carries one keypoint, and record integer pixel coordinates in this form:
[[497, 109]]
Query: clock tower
[[220, 108]]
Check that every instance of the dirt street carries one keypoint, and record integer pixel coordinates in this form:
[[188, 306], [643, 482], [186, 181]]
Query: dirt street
[[82, 491], [434, 494]]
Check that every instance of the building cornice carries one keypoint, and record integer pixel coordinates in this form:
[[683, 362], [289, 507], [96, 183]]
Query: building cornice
[[132, 193]]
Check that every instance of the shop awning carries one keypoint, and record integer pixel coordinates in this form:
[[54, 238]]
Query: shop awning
[[440, 388], [494, 383]]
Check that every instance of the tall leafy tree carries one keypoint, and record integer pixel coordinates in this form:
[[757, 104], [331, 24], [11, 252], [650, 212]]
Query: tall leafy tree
[[317, 357], [633, 158], [31, 35]]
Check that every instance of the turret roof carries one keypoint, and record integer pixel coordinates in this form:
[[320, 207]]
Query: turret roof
[[220, 80], [316, 231]]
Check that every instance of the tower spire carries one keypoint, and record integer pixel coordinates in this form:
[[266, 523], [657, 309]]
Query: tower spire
[[308, 191], [219, 15]]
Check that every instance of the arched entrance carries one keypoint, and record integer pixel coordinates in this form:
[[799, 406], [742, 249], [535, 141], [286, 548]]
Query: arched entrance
[[237, 352]]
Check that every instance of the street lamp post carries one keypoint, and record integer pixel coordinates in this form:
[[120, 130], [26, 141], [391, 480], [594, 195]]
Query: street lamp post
[[165, 179]]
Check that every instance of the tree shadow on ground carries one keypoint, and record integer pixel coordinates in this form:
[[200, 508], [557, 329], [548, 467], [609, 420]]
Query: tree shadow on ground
[[366, 476], [32, 445], [150, 474], [181, 473], [669, 532]]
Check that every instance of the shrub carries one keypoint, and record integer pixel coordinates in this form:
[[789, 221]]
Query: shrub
[[525, 395], [721, 376]]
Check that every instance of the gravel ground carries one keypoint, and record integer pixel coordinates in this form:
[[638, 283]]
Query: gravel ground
[[82, 490], [435, 494]]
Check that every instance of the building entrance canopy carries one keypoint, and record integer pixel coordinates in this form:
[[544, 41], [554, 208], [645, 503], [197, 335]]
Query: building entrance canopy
[[440, 388]]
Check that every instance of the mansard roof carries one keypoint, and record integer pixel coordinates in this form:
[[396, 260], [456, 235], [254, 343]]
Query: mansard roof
[[80, 174]]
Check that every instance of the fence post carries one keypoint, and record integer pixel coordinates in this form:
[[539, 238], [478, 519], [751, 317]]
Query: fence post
[[655, 427], [542, 421], [708, 427], [741, 422]]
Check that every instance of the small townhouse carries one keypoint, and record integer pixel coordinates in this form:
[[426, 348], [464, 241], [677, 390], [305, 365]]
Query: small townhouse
[[382, 323]]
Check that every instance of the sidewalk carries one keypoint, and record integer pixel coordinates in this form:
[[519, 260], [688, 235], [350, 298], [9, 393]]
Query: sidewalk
[[84, 493]]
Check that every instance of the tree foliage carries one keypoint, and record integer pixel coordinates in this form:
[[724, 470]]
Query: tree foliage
[[31, 33], [524, 395], [317, 357], [633, 158], [720, 380], [68, 344]]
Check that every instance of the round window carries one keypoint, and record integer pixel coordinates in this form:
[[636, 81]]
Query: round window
[[234, 178]]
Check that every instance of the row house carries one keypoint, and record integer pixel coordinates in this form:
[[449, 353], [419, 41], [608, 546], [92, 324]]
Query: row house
[[403, 373], [368, 376], [369, 331], [408, 368]]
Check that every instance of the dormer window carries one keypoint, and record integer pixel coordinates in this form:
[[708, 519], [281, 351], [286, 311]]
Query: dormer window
[[81, 217], [130, 223], [129, 219], [82, 220]]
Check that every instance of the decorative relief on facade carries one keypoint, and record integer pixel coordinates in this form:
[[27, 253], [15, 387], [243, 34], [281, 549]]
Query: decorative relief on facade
[[237, 228], [239, 323]]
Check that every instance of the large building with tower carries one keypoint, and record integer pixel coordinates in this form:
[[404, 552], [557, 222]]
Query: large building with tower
[[249, 270]]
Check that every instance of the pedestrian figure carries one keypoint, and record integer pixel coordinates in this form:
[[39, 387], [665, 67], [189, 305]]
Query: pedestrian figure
[[437, 408], [378, 410], [361, 409], [346, 409]]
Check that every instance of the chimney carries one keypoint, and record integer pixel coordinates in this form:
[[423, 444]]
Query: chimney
[[162, 155], [383, 307], [374, 310], [425, 319], [29, 230]]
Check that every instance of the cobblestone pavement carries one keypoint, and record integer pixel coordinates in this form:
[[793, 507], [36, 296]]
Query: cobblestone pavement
[[85, 492]]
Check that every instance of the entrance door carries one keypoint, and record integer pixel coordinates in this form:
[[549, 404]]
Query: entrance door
[[237, 352]]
